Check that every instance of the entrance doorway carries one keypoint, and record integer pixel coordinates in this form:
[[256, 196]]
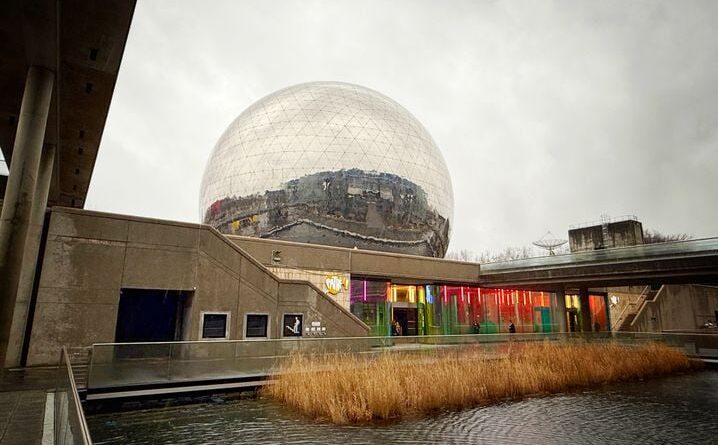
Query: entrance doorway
[[151, 315], [407, 319], [572, 318], [542, 319]]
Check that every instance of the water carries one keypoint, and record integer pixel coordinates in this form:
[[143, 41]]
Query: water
[[672, 410]]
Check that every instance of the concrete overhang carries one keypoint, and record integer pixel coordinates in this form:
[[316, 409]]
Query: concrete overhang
[[82, 42], [399, 268]]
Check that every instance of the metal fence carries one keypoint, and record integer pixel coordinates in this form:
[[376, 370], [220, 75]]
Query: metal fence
[[703, 246], [70, 424]]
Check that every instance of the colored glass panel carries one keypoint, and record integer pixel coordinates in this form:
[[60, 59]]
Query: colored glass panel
[[368, 302], [599, 319], [444, 309]]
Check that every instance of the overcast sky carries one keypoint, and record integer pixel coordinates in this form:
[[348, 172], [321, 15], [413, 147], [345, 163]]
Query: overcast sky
[[547, 113]]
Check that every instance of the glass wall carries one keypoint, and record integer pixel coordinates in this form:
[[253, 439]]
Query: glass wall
[[599, 318], [442, 309], [370, 302], [597, 308]]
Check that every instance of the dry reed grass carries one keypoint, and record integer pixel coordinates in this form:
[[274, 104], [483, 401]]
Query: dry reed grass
[[350, 388]]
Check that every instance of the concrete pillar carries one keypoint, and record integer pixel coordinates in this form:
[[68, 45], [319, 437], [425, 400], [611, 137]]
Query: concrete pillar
[[585, 310], [561, 310], [29, 260], [20, 191]]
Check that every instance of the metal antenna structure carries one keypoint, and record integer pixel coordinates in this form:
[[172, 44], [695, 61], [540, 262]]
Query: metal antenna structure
[[549, 242]]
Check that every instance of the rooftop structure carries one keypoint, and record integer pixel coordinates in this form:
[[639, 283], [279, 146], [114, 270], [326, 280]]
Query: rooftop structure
[[606, 233]]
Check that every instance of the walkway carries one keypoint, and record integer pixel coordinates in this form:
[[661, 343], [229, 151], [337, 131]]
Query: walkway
[[23, 396]]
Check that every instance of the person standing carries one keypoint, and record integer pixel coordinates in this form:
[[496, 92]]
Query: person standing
[[512, 328]]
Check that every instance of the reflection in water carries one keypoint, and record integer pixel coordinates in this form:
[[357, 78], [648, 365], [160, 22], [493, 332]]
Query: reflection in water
[[680, 409]]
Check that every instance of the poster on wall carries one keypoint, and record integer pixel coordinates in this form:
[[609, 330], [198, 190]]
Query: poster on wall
[[293, 325]]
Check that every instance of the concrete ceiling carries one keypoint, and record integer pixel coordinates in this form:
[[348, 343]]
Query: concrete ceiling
[[82, 42]]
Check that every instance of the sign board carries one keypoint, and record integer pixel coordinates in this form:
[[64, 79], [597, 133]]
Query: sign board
[[292, 325], [334, 284], [316, 329]]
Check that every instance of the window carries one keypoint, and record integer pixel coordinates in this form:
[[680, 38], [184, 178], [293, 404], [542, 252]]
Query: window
[[215, 325], [256, 326]]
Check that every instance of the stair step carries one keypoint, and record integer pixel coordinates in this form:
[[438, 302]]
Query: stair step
[[626, 324]]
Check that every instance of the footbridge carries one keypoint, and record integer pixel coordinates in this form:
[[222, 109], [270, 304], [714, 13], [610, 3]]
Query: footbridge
[[681, 262]]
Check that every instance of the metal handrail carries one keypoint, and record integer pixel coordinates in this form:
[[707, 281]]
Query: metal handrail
[[318, 339], [599, 222], [247, 367], [376, 338], [612, 255], [645, 303], [84, 429], [621, 318]]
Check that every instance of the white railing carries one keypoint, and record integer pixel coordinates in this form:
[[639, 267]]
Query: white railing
[[622, 316], [600, 222]]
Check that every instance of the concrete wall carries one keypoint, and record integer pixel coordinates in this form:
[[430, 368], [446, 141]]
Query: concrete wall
[[91, 256], [586, 238], [678, 307], [625, 233], [367, 263], [296, 296], [318, 278], [619, 234], [629, 298]]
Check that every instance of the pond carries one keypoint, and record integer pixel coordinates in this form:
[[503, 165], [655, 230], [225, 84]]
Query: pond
[[676, 409]]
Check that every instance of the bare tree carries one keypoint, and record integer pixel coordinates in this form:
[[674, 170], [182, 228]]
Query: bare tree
[[654, 236], [462, 255], [487, 256]]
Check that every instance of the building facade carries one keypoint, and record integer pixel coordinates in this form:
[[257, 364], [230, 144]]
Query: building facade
[[107, 278]]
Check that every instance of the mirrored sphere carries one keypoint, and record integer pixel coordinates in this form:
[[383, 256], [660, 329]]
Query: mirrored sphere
[[330, 163]]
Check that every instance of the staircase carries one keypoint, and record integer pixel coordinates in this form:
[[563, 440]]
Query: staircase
[[631, 310], [80, 361], [626, 323]]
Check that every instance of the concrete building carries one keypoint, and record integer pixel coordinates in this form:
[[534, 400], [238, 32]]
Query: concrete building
[[111, 277], [72, 277], [650, 307], [608, 233]]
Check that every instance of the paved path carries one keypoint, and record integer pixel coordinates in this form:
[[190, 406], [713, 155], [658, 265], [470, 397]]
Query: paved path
[[22, 405], [22, 414]]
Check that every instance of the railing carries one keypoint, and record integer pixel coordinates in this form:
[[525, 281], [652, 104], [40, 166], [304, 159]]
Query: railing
[[603, 221], [152, 365], [631, 304], [70, 424], [646, 302], [673, 249]]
